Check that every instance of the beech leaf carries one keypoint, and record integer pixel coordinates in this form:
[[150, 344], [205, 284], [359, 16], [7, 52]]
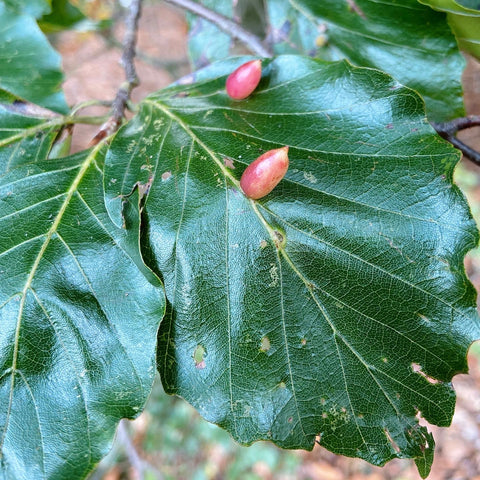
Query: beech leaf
[[79, 310], [336, 307]]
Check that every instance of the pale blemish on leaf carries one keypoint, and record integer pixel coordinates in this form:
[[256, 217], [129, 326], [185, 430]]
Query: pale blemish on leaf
[[147, 167], [424, 318], [158, 124], [310, 177], [353, 7], [279, 239], [265, 344], [337, 416], [131, 146], [321, 40], [166, 175], [263, 244], [273, 275], [228, 162]]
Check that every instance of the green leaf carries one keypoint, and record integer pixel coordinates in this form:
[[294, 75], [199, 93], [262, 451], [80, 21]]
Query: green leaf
[[29, 66], [206, 42], [293, 32], [465, 23], [403, 38], [474, 4], [26, 134], [65, 16], [79, 318], [35, 8], [337, 305]]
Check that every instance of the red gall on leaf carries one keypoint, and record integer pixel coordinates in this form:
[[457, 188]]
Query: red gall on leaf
[[244, 80], [265, 173]]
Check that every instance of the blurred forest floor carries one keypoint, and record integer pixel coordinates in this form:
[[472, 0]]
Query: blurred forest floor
[[171, 439]]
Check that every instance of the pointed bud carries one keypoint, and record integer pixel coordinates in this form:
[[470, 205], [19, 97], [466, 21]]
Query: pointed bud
[[264, 174], [244, 80]]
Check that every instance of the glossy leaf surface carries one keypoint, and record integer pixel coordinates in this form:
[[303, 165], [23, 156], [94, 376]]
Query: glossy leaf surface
[[465, 23], [206, 42], [65, 16], [35, 8], [337, 305], [29, 66], [79, 311], [26, 134], [403, 38]]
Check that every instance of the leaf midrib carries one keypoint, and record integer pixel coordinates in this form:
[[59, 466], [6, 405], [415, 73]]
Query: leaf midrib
[[268, 227], [281, 252], [52, 230]]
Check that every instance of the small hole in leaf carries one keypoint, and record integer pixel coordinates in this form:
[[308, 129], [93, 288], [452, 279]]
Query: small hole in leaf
[[418, 369], [199, 357], [391, 440]]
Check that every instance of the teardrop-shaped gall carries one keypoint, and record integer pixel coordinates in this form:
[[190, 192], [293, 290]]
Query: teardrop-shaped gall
[[244, 80], [265, 173]]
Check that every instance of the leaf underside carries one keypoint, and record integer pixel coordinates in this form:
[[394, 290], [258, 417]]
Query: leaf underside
[[78, 342], [338, 304]]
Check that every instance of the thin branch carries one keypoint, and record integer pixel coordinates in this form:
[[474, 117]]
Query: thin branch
[[128, 56], [225, 24], [139, 465], [90, 103], [448, 131], [122, 98], [172, 66]]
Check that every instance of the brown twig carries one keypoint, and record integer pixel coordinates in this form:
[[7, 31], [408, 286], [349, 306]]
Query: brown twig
[[172, 66], [448, 131], [128, 57], [225, 24], [139, 465]]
